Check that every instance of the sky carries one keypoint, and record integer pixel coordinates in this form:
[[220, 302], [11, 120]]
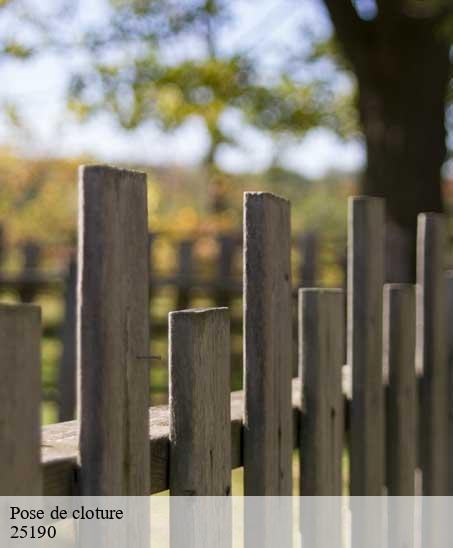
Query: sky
[[38, 88]]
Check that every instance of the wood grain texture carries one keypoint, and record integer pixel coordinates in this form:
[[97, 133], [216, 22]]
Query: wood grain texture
[[267, 345], [59, 452], [366, 236], [200, 438], [113, 331], [20, 400], [399, 365], [432, 352], [321, 350]]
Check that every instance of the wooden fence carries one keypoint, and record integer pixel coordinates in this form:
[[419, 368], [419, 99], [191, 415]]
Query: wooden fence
[[397, 349], [192, 278]]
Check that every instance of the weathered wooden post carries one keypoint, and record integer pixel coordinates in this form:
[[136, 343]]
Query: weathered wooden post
[[200, 437], [20, 400], [399, 365], [321, 351], [267, 345], [365, 283], [268, 352], [200, 428], [432, 352], [321, 340], [113, 333]]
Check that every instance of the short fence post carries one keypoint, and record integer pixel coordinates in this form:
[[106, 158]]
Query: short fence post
[[113, 332], [200, 437], [20, 400], [321, 350], [200, 428], [67, 374], [432, 352], [366, 239], [267, 346], [399, 365]]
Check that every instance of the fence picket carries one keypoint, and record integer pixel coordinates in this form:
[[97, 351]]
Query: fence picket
[[200, 437], [20, 400], [113, 332], [432, 352], [365, 282], [267, 346], [399, 364], [321, 340]]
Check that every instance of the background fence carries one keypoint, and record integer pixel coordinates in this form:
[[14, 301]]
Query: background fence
[[201, 271], [394, 408]]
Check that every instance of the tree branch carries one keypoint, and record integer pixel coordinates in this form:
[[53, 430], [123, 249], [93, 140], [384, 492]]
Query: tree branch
[[352, 32]]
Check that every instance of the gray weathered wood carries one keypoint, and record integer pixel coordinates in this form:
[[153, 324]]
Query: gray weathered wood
[[20, 400], [67, 371], [59, 453], [267, 345], [432, 352], [449, 334], [113, 331], [399, 365], [321, 340], [200, 438], [365, 283]]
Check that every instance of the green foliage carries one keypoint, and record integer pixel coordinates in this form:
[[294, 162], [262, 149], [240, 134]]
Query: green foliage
[[148, 81]]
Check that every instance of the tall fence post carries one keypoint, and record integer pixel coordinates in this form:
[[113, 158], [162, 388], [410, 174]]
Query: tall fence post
[[399, 364], [20, 400], [268, 354], [113, 332], [200, 437], [267, 345], [321, 340], [67, 375], [432, 352], [366, 237]]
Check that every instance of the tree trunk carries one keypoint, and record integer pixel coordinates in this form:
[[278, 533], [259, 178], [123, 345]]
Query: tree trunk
[[402, 91], [401, 60]]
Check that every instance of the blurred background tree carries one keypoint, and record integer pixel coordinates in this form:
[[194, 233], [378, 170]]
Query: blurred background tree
[[161, 60], [399, 51]]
